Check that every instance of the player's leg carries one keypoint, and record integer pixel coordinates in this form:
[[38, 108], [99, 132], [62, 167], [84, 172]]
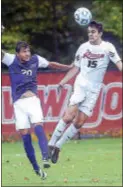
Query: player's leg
[[22, 125], [77, 97], [43, 143], [85, 111], [60, 127], [71, 131], [28, 147], [36, 118], [30, 152]]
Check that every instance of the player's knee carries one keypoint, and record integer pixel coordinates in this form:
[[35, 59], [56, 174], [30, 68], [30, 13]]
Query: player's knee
[[39, 123], [79, 125], [24, 131], [80, 120], [68, 117]]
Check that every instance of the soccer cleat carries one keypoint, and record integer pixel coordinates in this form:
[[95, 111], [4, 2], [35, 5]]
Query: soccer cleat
[[46, 163], [41, 173], [55, 155], [50, 151]]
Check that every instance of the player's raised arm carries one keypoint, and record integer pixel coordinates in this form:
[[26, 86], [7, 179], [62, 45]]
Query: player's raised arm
[[3, 53], [56, 65], [7, 58]]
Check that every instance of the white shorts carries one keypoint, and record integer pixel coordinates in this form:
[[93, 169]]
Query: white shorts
[[27, 111], [85, 96]]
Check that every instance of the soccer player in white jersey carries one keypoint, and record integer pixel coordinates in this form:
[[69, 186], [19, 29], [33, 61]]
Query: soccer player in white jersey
[[91, 61], [23, 69]]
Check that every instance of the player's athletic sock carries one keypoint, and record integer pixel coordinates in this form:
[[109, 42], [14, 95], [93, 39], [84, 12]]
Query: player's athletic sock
[[27, 142], [57, 133], [68, 134], [42, 140]]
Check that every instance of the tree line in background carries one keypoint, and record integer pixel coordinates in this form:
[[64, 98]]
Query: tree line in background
[[49, 26]]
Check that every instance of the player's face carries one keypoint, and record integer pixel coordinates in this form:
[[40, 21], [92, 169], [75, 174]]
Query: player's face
[[24, 54], [94, 35]]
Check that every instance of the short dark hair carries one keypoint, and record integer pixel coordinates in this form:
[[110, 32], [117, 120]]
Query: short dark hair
[[97, 25], [20, 45]]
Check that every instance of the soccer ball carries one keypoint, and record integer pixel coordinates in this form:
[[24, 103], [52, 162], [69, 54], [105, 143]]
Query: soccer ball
[[82, 16]]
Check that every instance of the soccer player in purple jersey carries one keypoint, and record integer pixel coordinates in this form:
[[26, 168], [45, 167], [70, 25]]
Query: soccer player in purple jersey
[[23, 68]]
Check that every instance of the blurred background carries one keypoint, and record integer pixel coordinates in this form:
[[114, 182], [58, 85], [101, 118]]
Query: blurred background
[[49, 26], [94, 156]]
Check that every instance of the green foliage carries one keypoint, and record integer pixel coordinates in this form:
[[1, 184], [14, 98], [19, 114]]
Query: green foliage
[[109, 12], [25, 19], [32, 16], [50, 27], [10, 38]]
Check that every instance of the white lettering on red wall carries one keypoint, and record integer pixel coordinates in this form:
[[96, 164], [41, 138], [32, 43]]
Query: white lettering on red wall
[[107, 114], [109, 104]]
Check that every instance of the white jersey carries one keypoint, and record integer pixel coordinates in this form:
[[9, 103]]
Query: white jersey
[[94, 59]]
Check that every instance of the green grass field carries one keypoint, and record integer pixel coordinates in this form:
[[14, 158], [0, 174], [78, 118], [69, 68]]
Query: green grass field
[[93, 162]]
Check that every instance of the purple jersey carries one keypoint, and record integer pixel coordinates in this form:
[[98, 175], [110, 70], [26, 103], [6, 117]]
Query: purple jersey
[[23, 76]]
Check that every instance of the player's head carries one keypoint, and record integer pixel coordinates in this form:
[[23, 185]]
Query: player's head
[[23, 51], [95, 30]]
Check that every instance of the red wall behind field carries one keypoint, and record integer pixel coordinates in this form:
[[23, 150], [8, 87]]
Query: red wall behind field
[[107, 116]]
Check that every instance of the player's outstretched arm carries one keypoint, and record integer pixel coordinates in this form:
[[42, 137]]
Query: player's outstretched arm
[[3, 54], [59, 66], [7, 58], [119, 65], [2, 51], [70, 74]]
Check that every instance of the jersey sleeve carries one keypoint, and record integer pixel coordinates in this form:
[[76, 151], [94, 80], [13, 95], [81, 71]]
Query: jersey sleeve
[[77, 58], [42, 62], [8, 59], [113, 55]]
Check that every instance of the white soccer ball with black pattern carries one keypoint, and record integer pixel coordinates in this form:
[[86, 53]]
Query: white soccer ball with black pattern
[[82, 16]]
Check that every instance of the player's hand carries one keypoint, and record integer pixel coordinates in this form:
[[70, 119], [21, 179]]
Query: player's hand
[[60, 86], [2, 28]]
